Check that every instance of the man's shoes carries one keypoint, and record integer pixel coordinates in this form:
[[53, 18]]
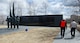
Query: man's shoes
[[72, 36], [62, 36]]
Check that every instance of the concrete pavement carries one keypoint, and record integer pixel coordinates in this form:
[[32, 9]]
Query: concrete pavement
[[21, 28], [9, 30], [67, 38]]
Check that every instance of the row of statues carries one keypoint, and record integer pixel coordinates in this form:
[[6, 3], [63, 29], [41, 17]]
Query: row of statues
[[13, 21]]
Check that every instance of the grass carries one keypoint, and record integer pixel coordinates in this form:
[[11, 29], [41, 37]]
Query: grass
[[36, 35]]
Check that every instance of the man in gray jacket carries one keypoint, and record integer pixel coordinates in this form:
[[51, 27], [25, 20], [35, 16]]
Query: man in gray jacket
[[73, 26]]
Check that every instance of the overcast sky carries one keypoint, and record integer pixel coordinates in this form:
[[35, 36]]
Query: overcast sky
[[53, 6]]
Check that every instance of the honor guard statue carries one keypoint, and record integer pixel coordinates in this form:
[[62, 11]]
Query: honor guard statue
[[18, 19], [7, 21]]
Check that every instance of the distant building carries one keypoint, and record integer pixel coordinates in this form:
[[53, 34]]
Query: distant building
[[75, 17], [68, 20]]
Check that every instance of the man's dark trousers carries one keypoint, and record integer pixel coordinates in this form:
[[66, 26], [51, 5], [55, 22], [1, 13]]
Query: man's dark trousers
[[73, 32], [62, 31]]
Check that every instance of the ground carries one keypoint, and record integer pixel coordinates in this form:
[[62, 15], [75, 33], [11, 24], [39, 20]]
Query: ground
[[67, 37], [33, 35], [3, 26]]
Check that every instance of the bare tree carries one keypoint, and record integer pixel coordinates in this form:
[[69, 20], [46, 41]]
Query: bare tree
[[75, 3], [34, 8], [72, 4], [79, 5], [2, 19], [19, 10], [45, 7], [30, 7]]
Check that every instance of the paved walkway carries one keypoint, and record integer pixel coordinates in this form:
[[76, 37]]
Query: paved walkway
[[21, 28], [67, 38], [9, 30]]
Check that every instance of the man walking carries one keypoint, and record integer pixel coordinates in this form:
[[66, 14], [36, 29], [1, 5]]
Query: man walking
[[73, 26], [63, 25]]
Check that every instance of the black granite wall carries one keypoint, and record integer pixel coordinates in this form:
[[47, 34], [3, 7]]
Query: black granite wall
[[41, 20]]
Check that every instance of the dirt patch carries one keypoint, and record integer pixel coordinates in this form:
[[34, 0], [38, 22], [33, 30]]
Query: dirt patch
[[40, 35], [3, 26]]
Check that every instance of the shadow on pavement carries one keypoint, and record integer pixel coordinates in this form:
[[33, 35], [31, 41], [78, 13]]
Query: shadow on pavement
[[64, 38], [58, 38], [7, 30], [68, 38]]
